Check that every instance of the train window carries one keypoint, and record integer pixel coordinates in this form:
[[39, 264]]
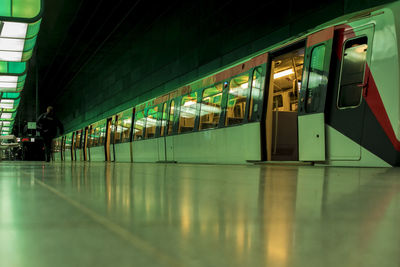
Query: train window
[[316, 79], [188, 113], [102, 137], [256, 91], [210, 108], [96, 135], [91, 137], [352, 73], [171, 118], [123, 127], [163, 119], [237, 97], [68, 141], [140, 122], [78, 135], [151, 122]]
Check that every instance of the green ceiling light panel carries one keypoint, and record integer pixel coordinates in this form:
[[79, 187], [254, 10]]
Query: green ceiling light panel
[[15, 68], [10, 95], [21, 9]]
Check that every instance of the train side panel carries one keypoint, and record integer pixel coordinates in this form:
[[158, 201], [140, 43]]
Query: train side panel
[[232, 145], [122, 152], [97, 153]]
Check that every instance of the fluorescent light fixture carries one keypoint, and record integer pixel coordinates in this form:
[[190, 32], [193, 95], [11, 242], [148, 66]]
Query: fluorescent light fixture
[[14, 29], [8, 85], [283, 73], [6, 123], [189, 103], [6, 115], [12, 44], [6, 105], [10, 56], [245, 86], [7, 101], [8, 79], [5, 129]]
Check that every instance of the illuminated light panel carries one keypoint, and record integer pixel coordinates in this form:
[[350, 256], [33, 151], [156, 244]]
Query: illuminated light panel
[[283, 73], [6, 123], [6, 106], [14, 30], [10, 56], [6, 85], [16, 45], [5, 129], [6, 115], [8, 79]]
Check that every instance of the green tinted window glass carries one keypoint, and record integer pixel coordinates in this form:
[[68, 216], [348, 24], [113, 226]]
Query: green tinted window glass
[[188, 113], [256, 91], [210, 108], [25, 8], [124, 125], [153, 117], [352, 72], [171, 117], [140, 122], [237, 97], [316, 78]]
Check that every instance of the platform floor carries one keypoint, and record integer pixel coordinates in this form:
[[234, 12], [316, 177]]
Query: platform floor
[[99, 214]]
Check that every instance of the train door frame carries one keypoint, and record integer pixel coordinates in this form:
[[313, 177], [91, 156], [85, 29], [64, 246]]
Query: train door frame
[[347, 123], [107, 143], [73, 146], [267, 117], [132, 132], [85, 144], [62, 148], [90, 133], [312, 98]]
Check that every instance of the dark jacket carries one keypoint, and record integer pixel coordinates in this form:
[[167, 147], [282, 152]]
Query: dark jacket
[[47, 125]]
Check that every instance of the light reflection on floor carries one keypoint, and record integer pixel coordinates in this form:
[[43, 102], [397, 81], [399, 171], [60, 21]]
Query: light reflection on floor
[[198, 215]]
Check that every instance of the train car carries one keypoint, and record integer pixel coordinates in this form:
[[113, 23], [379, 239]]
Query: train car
[[330, 96]]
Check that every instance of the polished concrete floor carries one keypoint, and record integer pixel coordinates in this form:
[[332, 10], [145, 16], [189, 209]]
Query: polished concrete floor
[[98, 214]]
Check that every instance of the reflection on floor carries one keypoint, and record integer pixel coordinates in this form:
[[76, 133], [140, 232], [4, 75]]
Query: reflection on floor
[[98, 214]]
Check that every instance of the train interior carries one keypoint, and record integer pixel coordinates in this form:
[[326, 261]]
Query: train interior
[[286, 75]]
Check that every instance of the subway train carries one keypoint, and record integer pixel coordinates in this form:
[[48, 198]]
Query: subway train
[[329, 96]]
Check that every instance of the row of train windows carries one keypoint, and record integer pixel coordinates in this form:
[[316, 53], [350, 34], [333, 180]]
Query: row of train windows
[[208, 108]]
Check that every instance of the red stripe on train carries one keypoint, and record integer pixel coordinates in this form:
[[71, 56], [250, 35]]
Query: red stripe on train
[[375, 103]]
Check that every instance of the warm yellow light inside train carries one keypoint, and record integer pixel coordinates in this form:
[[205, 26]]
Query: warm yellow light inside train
[[283, 73]]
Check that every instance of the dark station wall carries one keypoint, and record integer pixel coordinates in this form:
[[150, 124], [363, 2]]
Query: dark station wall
[[179, 43]]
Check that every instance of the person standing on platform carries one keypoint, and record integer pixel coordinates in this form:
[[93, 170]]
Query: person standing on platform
[[47, 124]]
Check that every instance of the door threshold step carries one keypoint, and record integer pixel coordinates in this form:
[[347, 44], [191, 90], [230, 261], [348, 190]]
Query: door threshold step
[[284, 163]]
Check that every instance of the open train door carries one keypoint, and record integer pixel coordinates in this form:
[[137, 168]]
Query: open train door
[[311, 119]]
